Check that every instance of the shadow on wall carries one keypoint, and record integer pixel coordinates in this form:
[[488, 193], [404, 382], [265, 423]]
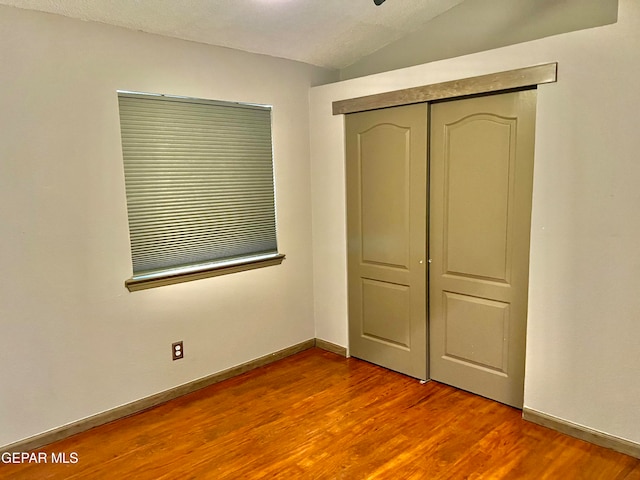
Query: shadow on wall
[[481, 25]]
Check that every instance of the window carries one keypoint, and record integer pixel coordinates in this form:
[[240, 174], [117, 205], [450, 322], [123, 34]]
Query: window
[[199, 183]]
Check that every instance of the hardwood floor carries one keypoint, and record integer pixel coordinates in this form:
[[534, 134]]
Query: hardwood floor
[[316, 415]]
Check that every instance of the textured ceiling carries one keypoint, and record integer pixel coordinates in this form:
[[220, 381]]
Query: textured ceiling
[[328, 33]]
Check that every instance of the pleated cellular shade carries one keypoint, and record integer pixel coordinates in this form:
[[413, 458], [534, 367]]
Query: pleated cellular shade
[[199, 181]]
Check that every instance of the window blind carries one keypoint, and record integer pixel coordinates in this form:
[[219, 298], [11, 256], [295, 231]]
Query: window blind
[[199, 181]]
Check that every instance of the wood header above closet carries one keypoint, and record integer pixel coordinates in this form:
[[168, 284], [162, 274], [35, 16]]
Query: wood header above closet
[[493, 82]]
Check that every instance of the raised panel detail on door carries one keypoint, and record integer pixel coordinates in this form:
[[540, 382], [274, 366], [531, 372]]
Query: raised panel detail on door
[[478, 195], [386, 312], [386, 169], [384, 173], [476, 331], [481, 171]]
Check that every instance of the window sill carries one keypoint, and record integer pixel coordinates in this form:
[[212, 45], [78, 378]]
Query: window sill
[[172, 277]]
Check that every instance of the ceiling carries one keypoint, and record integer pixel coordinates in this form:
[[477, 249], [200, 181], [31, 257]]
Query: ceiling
[[327, 33]]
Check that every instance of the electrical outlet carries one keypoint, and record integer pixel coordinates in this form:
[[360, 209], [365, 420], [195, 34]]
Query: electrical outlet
[[177, 350]]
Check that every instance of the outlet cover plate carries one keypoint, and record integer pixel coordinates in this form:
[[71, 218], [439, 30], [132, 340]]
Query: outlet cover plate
[[177, 350]]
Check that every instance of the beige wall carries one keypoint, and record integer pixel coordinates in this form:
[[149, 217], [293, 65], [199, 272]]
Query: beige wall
[[75, 342], [583, 355], [479, 25]]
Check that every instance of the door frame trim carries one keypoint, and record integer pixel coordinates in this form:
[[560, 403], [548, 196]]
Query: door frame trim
[[493, 82]]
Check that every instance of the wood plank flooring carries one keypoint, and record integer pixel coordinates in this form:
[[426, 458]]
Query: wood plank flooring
[[316, 415]]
